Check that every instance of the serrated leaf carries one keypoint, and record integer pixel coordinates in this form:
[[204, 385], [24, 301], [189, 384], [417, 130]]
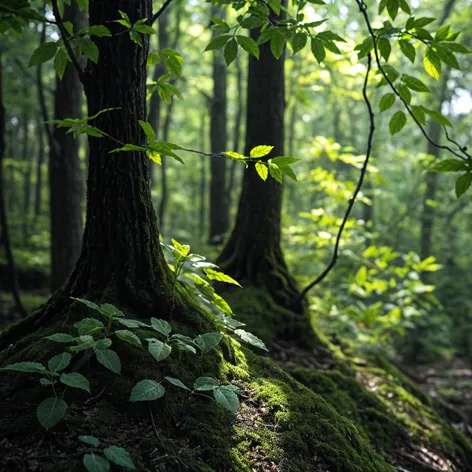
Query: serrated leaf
[[95, 463], [111, 311], [218, 42], [132, 323], [61, 338], [128, 336], [75, 380], [88, 325], [203, 384], [414, 84], [42, 54], [448, 58], [384, 47], [158, 349], [262, 170], [177, 383], [109, 359], [277, 44], [318, 50], [288, 171], [146, 390], [250, 339], [89, 48], [299, 42], [148, 131], [260, 151], [392, 8], [404, 6], [432, 64], [213, 274], [60, 62], [408, 50], [32, 367], [208, 341], [119, 456], [386, 101], [462, 184], [275, 172], [249, 45], [404, 93], [418, 113], [230, 51], [92, 440], [226, 398], [102, 344], [449, 165], [87, 302], [59, 362], [438, 117], [284, 160], [51, 411], [397, 122], [162, 326]]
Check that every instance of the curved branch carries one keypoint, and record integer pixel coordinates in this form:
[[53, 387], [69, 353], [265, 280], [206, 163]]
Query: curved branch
[[160, 11]]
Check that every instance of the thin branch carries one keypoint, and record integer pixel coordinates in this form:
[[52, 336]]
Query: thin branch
[[65, 38], [363, 10], [370, 138], [160, 11]]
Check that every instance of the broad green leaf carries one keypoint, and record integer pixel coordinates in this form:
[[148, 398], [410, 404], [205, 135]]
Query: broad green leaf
[[449, 165], [111, 311], [414, 84], [87, 302], [230, 51], [75, 380], [318, 50], [299, 42], [158, 349], [154, 156], [442, 33], [51, 411], [205, 383], [462, 184], [384, 47], [220, 276], [284, 160], [146, 390], [89, 48], [83, 345], [408, 50], [438, 117], [95, 463], [119, 456], [208, 341], [418, 113], [153, 58], [32, 367], [129, 147], [59, 362], [60, 62], [397, 122], [218, 42], [288, 171], [227, 398], [96, 30], [404, 92], [102, 344], [262, 170], [162, 326], [277, 44], [235, 155], [92, 440], [432, 64], [177, 383], [185, 347], [392, 8], [250, 339], [128, 336], [147, 128], [42, 54], [44, 381], [260, 151], [386, 101], [404, 6], [173, 61], [448, 58], [132, 323], [89, 325], [249, 45], [109, 359], [61, 338], [275, 172]]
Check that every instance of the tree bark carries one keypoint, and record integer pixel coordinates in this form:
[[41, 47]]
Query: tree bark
[[28, 168], [39, 171], [65, 177], [219, 218]]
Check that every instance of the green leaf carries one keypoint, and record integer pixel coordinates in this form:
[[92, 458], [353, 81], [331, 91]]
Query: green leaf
[[129, 147], [284, 160], [456, 47], [146, 390], [275, 172], [262, 170], [404, 92], [89, 325], [92, 440], [51, 411], [208, 341], [111, 311], [158, 349], [449, 165], [60, 62], [173, 62], [408, 50], [153, 58], [218, 42], [392, 8], [260, 151], [299, 42], [84, 345], [418, 113], [318, 50], [95, 463], [132, 323], [75, 380], [42, 54], [220, 276], [147, 128], [88, 303], [162, 326], [432, 64], [249, 45], [438, 117], [442, 33], [61, 338], [203, 384], [277, 44], [59, 362], [177, 383], [32, 367], [119, 456], [128, 336], [423, 21], [390, 72], [404, 6], [414, 84], [96, 30], [226, 398], [44, 381], [230, 51], [250, 339], [109, 359], [448, 58], [235, 155], [102, 344], [462, 184], [386, 101], [384, 47], [397, 122], [89, 48]]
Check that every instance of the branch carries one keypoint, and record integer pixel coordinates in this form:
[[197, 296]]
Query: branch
[[463, 154], [370, 138], [65, 38], [160, 11]]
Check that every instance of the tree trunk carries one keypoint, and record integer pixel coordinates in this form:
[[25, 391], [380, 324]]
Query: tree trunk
[[27, 162], [253, 253], [203, 180], [219, 218], [65, 177], [39, 171]]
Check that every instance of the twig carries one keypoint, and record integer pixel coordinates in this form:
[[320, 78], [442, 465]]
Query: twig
[[160, 11], [370, 138], [464, 155], [153, 422], [65, 38]]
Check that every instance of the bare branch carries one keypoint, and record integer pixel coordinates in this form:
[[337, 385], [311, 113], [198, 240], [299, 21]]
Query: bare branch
[[160, 11]]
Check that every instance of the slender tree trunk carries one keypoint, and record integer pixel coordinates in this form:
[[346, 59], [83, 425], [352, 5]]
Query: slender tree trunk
[[65, 177], [27, 162], [4, 235], [203, 180], [219, 218], [39, 171]]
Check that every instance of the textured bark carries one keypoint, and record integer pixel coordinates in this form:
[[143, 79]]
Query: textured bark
[[65, 177], [253, 253], [39, 172], [28, 168], [219, 218]]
